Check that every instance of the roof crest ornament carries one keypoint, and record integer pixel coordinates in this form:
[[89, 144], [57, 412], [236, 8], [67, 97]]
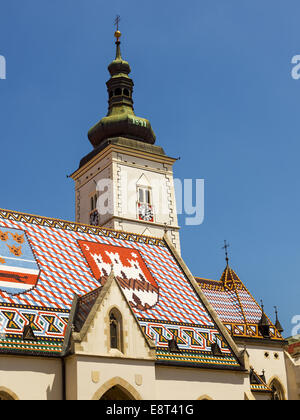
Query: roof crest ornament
[[226, 246], [118, 36]]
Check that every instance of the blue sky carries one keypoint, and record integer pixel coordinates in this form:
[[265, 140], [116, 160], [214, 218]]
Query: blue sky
[[214, 79]]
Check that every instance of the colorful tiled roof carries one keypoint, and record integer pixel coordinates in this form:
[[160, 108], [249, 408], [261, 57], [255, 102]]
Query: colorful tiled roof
[[45, 262], [235, 306], [258, 382]]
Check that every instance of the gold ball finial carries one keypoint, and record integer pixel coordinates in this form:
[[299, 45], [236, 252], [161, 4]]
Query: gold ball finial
[[118, 35]]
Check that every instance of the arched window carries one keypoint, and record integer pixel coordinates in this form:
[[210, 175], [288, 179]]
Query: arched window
[[118, 91], [94, 200], [116, 330], [277, 391], [6, 396], [116, 393], [125, 92], [204, 398]]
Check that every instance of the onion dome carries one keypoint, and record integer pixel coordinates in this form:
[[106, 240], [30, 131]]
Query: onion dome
[[121, 120]]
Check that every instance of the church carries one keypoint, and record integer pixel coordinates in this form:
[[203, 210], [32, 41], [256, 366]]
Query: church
[[105, 308]]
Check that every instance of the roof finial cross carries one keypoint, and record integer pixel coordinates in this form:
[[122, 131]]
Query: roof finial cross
[[118, 35], [117, 21], [226, 246]]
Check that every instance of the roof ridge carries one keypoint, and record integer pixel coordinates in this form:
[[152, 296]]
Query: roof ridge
[[206, 280], [13, 213]]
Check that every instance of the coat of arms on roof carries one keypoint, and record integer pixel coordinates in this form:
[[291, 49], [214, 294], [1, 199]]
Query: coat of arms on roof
[[19, 271], [138, 284]]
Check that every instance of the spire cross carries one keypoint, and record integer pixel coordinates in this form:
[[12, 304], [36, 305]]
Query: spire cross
[[226, 246], [117, 21]]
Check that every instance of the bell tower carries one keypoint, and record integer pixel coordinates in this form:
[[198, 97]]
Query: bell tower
[[126, 182]]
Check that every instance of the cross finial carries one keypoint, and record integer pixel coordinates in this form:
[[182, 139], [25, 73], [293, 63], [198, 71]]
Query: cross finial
[[226, 246], [117, 21], [117, 33]]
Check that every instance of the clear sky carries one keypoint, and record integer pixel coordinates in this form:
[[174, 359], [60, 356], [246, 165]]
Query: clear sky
[[214, 79]]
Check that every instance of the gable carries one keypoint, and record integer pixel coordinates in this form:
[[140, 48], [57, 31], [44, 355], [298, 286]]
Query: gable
[[143, 181], [93, 336]]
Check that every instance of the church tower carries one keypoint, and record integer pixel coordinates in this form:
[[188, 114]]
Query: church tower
[[126, 182]]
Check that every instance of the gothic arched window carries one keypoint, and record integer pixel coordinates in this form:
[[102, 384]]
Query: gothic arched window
[[277, 391], [5, 396], [115, 329]]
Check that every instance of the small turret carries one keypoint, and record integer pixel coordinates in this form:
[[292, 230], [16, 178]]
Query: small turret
[[264, 324], [277, 323]]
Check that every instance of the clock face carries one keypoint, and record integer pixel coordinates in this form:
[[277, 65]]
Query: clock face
[[146, 212], [94, 218]]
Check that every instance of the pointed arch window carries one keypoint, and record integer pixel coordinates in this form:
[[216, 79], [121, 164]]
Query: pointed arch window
[[6, 396], [116, 330], [277, 391]]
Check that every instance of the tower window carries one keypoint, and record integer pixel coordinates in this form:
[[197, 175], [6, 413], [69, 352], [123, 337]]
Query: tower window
[[126, 92], [118, 92], [144, 205], [94, 215], [94, 199], [144, 195]]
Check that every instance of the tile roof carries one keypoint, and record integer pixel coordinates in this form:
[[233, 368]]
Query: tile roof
[[68, 259], [258, 382], [235, 306]]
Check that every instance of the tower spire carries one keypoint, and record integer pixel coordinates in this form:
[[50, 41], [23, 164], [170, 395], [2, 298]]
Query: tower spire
[[118, 36], [120, 120]]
